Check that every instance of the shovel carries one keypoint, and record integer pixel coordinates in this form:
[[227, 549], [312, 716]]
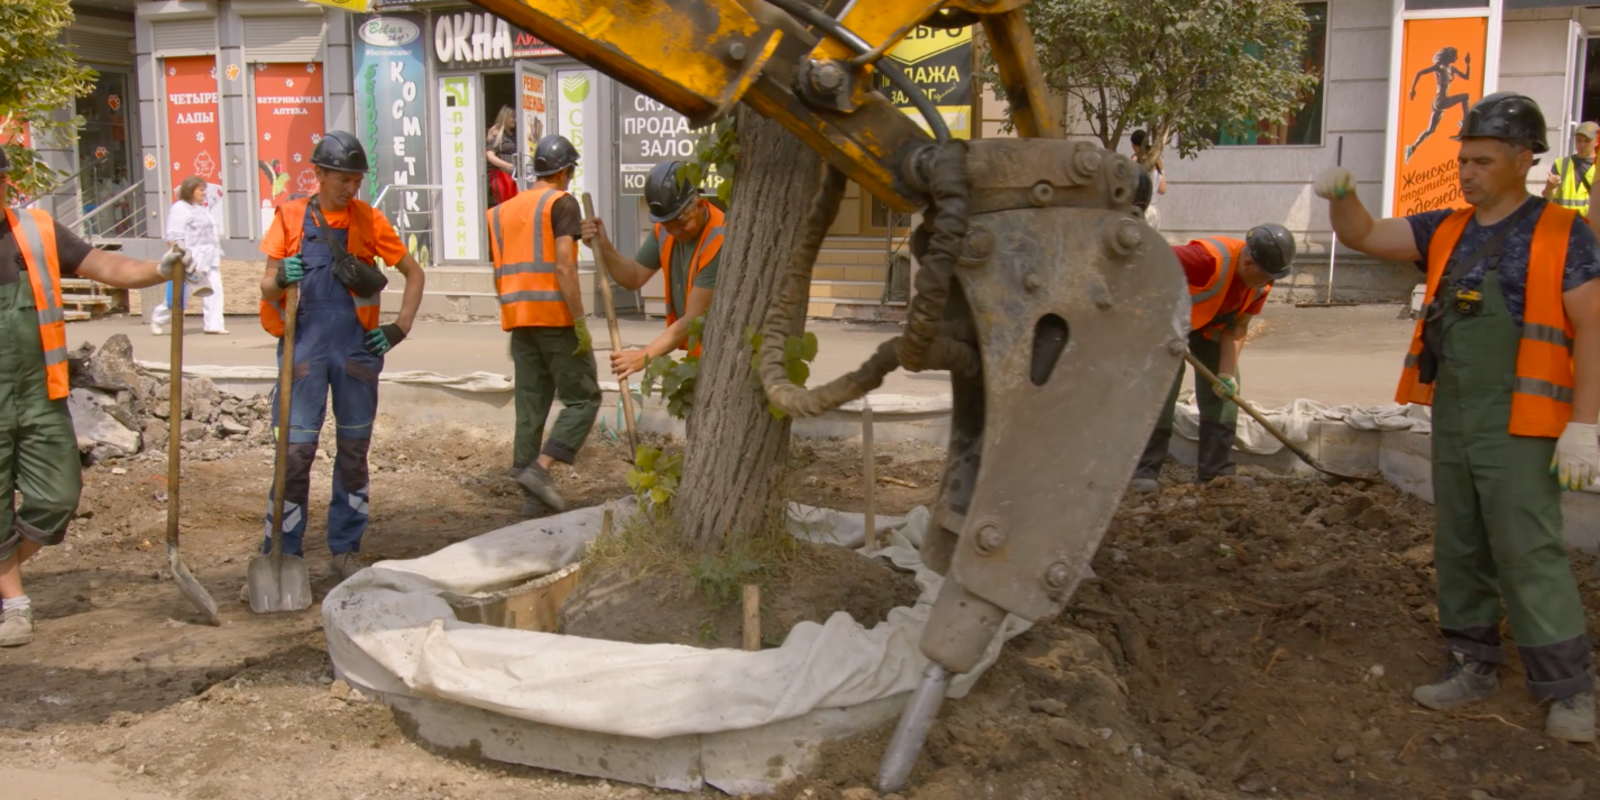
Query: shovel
[[1206, 373], [191, 588], [604, 280], [279, 582]]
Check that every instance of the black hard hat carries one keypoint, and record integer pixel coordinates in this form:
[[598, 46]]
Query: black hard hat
[[1145, 193], [1272, 247], [340, 152], [667, 193], [553, 154], [1509, 117]]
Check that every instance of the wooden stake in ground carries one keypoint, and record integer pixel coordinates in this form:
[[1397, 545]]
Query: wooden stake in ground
[[867, 467], [752, 617], [602, 277], [605, 524]]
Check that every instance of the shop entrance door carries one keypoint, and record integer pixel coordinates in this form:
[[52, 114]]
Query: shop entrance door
[[499, 96], [105, 156]]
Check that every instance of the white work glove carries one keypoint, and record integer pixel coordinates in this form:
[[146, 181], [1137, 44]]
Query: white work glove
[[1576, 463], [178, 255], [1334, 183]]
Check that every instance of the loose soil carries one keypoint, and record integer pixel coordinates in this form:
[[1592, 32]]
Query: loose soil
[[1236, 642]]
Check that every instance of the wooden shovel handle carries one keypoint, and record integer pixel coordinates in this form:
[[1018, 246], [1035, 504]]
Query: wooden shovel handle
[[280, 467], [603, 277]]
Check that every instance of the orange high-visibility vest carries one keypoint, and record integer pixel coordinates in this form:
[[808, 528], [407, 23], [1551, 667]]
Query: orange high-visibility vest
[[707, 248], [1205, 302], [361, 243], [523, 243], [1541, 391], [35, 234]]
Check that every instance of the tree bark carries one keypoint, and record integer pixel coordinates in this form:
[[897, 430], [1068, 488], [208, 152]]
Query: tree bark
[[736, 451]]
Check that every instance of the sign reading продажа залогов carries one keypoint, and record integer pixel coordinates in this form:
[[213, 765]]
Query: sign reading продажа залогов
[[391, 106], [649, 133]]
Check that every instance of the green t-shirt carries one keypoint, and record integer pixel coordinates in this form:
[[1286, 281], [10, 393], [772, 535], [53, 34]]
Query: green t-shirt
[[649, 257]]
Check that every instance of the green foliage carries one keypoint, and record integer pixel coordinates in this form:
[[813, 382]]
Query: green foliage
[[1176, 67], [798, 353], [721, 577], [38, 76], [717, 156], [654, 477], [675, 377]]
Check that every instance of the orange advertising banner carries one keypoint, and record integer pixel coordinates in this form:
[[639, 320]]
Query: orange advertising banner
[[1442, 64]]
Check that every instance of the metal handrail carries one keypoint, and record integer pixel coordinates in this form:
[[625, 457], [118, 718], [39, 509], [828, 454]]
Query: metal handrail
[[70, 180], [78, 223]]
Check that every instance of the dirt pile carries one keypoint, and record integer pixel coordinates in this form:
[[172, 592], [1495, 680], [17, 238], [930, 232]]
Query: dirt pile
[[120, 409]]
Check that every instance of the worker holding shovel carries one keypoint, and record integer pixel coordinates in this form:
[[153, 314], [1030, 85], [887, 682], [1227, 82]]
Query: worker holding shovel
[[1229, 280], [38, 448], [323, 248]]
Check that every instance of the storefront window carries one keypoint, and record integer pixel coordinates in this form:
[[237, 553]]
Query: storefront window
[[1304, 125], [103, 151]]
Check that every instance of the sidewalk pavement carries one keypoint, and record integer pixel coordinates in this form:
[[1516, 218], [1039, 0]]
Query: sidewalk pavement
[[1333, 355]]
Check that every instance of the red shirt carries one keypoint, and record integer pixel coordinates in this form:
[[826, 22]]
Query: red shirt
[[1199, 266]]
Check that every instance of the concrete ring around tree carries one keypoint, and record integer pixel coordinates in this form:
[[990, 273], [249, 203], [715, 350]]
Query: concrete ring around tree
[[668, 716]]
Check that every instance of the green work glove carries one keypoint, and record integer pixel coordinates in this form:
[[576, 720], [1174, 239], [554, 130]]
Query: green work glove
[[585, 341], [383, 338], [290, 270], [1225, 387]]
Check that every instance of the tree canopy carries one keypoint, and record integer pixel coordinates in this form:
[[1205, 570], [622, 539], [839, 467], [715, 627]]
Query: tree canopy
[[37, 76], [1185, 70]]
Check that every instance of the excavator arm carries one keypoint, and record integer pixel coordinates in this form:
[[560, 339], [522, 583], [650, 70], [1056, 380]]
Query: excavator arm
[[1059, 314]]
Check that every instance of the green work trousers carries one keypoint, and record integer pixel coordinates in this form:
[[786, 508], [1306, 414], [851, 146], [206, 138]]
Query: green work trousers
[[547, 369], [1499, 534], [38, 448], [1218, 419]]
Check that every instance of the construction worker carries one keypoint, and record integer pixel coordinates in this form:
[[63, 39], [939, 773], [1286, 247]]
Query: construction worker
[[339, 343], [1508, 355], [1571, 177], [534, 240], [1229, 280], [39, 450], [686, 243]]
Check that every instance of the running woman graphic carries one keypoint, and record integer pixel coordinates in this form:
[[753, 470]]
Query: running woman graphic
[[1443, 71]]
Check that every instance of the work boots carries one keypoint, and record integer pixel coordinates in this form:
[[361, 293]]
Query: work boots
[[538, 482], [347, 564], [1571, 719], [1466, 681], [16, 630]]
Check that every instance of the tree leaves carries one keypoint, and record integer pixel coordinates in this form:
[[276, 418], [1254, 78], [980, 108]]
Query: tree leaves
[[1177, 67], [38, 76]]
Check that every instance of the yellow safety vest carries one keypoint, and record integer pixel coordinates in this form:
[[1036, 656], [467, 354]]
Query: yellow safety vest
[[1574, 191]]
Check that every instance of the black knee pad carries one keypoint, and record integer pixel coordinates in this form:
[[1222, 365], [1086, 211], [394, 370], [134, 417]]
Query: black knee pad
[[350, 465]]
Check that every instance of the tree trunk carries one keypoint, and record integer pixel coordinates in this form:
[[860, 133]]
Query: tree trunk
[[736, 452]]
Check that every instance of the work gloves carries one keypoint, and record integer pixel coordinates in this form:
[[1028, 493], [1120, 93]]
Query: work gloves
[[290, 270], [177, 256], [1226, 386], [383, 338], [1576, 463], [1334, 183], [585, 341]]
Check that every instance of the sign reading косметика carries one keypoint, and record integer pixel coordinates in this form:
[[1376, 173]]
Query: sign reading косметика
[[391, 108]]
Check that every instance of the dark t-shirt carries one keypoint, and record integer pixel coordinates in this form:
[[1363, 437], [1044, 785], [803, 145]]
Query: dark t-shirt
[[1583, 253], [70, 249], [566, 218]]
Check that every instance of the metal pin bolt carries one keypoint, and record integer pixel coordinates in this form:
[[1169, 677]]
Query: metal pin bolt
[[989, 539], [827, 77], [1086, 163], [1042, 193], [736, 52], [976, 247], [1177, 347], [1057, 576], [1123, 236], [1032, 281]]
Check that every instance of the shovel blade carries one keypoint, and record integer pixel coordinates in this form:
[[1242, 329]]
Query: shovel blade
[[278, 583], [191, 588]]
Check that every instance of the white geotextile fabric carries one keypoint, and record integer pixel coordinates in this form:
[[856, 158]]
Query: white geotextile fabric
[[1296, 418], [389, 630]]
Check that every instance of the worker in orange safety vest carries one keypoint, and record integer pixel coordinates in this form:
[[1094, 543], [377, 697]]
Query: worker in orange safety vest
[[1508, 356]]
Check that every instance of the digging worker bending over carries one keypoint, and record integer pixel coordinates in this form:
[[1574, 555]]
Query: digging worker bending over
[[533, 238], [686, 244], [1229, 280], [1508, 355], [39, 450], [339, 345]]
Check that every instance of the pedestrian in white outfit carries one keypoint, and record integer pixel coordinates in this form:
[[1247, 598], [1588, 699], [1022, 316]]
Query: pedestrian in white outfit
[[190, 223]]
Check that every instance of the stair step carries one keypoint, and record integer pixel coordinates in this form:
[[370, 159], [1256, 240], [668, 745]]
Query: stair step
[[87, 300], [78, 283], [76, 316]]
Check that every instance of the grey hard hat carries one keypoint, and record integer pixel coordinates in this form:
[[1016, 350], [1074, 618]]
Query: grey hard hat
[[340, 151], [1272, 247], [667, 193], [553, 154], [1507, 116]]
